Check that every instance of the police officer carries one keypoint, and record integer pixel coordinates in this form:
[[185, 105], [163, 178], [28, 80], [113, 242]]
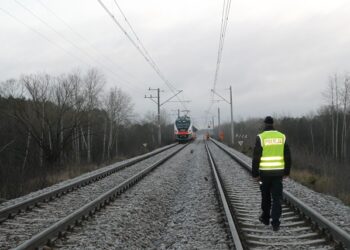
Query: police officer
[[271, 163]]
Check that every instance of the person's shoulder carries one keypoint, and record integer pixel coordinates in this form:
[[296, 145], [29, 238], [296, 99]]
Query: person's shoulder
[[282, 133]]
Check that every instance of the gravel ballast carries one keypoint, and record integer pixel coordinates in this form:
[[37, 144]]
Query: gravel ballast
[[246, 195], [25, 225], [329, 206], [175, 207]]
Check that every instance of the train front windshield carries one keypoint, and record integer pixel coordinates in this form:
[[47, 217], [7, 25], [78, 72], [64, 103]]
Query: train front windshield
[[183, 124]]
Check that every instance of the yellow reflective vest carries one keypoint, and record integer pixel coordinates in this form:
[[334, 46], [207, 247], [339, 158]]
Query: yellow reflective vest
[[272, 143]]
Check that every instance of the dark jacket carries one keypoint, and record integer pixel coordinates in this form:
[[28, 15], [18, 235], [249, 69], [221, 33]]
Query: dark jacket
[[258, 153]]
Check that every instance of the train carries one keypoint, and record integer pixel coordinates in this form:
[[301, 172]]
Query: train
[[184, 131]]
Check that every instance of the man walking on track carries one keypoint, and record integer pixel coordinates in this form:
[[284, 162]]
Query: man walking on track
[[271, 164]]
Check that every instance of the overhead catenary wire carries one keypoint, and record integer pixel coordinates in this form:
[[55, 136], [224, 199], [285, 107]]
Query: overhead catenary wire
[[44, 36], [171, 87], [136, 36], [81, 37], [226, 7], [224, 21], [144, 50], [83, 51], [140, 49]]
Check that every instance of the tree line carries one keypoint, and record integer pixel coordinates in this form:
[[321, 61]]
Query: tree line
[[49, 123]]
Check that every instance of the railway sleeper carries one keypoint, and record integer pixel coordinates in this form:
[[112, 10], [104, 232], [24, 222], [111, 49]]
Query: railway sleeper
[[293, 244], [291, 224], [292, 230], [312, 235], [252, 219]]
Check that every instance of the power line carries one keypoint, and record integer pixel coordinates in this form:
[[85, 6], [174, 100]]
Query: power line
[[44, 37], [224, 21], [70, 42], [139, 47], [136, 36], [142, 47], [83, 38], [172, 88]]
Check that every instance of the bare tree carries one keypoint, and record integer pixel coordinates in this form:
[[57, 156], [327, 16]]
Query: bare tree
[[37, 87], [11, 88], [345, 94], [52, 113], [337, 105], [93, 84], [332, 97], [63, 98], [104, 138], [118, 109], [2, 148], [78, 106], [310, 118], [150, 118], [123, 114]]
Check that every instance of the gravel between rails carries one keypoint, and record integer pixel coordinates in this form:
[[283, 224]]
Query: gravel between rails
[[329, 206], [23, 226], [175, 207]]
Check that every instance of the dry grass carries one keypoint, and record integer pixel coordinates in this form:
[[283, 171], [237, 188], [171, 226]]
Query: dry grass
[[48, 178], [73, 171], [345, 197], [322, 184], [69, 173]]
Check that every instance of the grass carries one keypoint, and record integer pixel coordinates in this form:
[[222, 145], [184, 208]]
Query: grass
[[73, 171], [69, 173], [320, 183], [47, 179]]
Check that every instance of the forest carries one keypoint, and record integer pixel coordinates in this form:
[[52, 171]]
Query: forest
[[319, 142], [56, 127]]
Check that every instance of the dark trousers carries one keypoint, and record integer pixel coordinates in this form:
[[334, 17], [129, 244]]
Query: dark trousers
[[271, 187]]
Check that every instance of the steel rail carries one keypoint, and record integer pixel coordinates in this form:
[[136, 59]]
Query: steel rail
[[58, 229], [11, 210], [340, 236], [233, 230]]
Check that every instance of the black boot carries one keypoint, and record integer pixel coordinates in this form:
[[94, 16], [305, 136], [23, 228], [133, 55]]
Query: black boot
[[275, 225], [275, 228], [263, 220]]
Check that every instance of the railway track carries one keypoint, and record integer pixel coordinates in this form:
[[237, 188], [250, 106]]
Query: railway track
[[301, 226], [41, 220]]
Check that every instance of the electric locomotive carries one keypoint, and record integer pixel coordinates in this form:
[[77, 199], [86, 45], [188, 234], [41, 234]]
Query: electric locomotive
[[183, 129]]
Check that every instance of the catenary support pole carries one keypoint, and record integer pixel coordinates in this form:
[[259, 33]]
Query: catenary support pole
[[213, 124], [219, 120], [158, 109], [159, 128], [231, 105], [232, 125]]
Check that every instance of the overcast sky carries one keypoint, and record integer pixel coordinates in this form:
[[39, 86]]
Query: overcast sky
[[277, 55]]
